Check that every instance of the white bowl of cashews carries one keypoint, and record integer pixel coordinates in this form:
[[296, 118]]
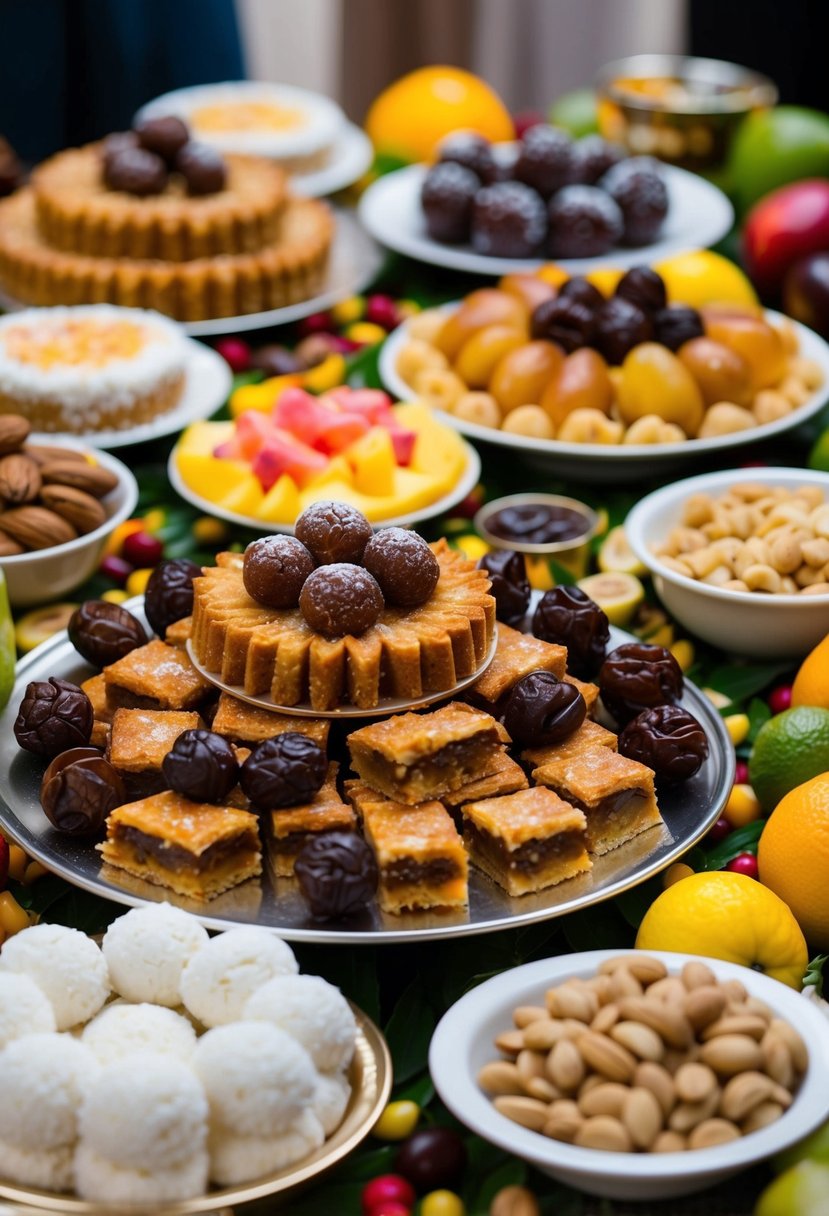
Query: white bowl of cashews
[[463, 1045], [735, 567]]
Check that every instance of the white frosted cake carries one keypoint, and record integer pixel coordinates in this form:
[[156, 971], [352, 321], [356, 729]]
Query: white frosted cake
[[90, 368]]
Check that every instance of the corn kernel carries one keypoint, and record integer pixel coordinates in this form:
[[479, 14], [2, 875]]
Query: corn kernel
[[34, 871], [208, 531], [366, 333], [738, 727], [17, 862], [120, 534], [349, 310], [13, 918], [137, 581], [115, 595], [718, 699], [325, 375], [472, 547], [742, 806], [676, 873], [155, 519], [397, 1121], [684, 653]]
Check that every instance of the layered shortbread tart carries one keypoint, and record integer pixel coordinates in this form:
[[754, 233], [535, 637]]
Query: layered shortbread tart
[[589, 734], [138, 741], [90, 368], [241, 722]]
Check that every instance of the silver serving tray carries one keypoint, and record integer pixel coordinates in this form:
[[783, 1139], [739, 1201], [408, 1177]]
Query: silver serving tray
[[689, 811]]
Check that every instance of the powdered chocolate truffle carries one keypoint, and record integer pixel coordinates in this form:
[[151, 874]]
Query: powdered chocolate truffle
[[275, 569], [341, 599], [333, 532], [404, 566]]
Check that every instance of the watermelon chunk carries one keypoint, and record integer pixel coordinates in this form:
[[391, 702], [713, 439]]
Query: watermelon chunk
[[282, 453], [371, 403], [252, 431]]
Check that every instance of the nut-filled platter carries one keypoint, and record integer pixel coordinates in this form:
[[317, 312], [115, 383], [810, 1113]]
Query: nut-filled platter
[[518, 797]]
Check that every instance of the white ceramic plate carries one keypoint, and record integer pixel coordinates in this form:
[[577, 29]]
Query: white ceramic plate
[[351, 157], [621, 462], [698, 216], [462, 1043]]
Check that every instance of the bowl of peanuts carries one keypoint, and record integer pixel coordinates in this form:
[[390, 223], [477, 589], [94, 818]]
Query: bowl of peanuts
[[741, 557], [636, 1076]]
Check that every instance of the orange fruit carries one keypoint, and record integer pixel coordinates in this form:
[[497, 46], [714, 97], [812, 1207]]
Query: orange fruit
[[410, 118], [702, 277], [794, 856], [811, 684]]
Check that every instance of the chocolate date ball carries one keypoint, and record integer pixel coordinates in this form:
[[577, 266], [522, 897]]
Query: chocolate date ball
[[102, 632], [508, 221], [667, 739], [566, 321], [621, 325], [201, 766], [568, 617], [473, 152], [432, 1159], [203, 169], [169, 593], [333, 532], [584, 223], [404, 566], [78, 791], [54, 715], [275, 569], [447, 197], [117, 142], [639, 676], [135, 171], [544, 159], [337, 874], [165, 136], [541, 710], [643, 287], [636, 186], [509, 585], [341, 599], [284, 771], [590, 159], [676, 325], [582, 290]]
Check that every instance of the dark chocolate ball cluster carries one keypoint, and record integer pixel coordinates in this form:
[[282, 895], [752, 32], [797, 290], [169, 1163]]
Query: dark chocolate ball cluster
[[554, 197], [141, 161], [338, 572]]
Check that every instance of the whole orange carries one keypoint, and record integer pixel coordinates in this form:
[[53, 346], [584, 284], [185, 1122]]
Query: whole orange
[[794, 856], [410, 118], [811, 684]]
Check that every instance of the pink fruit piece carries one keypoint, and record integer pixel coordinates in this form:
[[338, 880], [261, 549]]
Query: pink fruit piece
[[317, 323], [340, 430], [116, 568], [373, 403], [284, 454], [142, 549], [252, 430], [235, 352], [382, 310], [403, 442], [318, 421], [744, 863], [298, 412]]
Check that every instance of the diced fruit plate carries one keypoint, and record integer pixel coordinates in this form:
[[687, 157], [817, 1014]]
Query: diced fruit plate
[[689, 810], [617, 463]]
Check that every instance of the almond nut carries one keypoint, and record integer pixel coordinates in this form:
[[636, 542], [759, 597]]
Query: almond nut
[[603, 1055], [669, 989], [524, 1014], [510, 1042], [668, 1022], [529, 1112], [530, 1064], [697, 975], [659, 1081], [564, 1120], [642, 1116], [81, 475], [604, 1132], [19, 479], [777, 1060], [686, 1115], [641, 966], [565, 1066], [8, 547], [45, 453], [606, 1098], [541, 1036], [704, 1005], [641, 1040], [500, 1077], [733, 1023], [14, 431], [572, 1001], [711, 1132], [607, 1017], [730, 1054], [743, 1093], [761, 1116], [37, 527], [514, 1201], [797, 1048], [669, 1142], [83, 511], [694, 1082]]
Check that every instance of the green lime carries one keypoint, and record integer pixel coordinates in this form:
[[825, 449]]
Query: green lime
[[576, 112], [790, 748], [819, 455], [805, 1188], [775, 147], [813, 1148], [8, 650]]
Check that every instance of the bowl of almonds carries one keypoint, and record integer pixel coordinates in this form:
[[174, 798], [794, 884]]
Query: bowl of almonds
[[58, 505], [741, 557], [636, 1076]]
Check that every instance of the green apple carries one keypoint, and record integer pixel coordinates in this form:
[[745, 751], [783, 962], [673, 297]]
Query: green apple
[[813, 1148], [801, 1191], [576, 112], [775, 147], [8, 650]]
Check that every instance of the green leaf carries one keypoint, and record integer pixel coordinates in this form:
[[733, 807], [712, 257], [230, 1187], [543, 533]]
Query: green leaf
[[368, 1163], [409, 1031], [744, 840], [511, 1173], [738, 682], [633, 904], [421, 1090], [603, 923], [758, 714], [814, 974], [80, 910]]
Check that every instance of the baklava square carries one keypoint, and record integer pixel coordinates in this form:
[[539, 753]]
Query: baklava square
[[516, 655], [589, 734], [526, 841], [590, 692], [141, 738], [155, 676], [244, 723], [505, 777], [292, 827], [178, 634]]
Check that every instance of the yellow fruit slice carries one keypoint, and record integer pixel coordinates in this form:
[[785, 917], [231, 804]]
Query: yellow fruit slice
[[245, 499], [338, 469], [702, 277], [281, 503], [373, 462], [202, 438], [616, 556], [210, 477], [438, 450], [38, 625], [811, 684], [618, 595]]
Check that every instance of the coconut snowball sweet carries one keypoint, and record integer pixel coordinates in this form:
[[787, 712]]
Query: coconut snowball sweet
[[330, 1100], [66, 965], [236, 1159], [24, 1008], [147, 949], [220, 977], [122, 1030], [50, 1169], [100, 1180], [313, 1012], [43, 1079]]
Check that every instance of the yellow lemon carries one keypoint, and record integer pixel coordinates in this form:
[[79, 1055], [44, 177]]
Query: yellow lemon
[[794, 856], [410, 118], [727, 916], [811, 684], [703, 277]]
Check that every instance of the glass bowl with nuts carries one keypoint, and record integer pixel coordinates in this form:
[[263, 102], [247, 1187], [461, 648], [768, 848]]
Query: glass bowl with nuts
[[741, 557], [636, 1076]]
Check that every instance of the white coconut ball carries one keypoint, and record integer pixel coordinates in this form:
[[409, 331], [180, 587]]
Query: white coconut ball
[[122, 1030], [66, 965], [145, 1112], [24, 1008], [257, 1078], [330, 1100], [42, 1081], [236, 1159], [147, 949], [217, 981], [50, 1169], [313, 1012], [100, 1180]]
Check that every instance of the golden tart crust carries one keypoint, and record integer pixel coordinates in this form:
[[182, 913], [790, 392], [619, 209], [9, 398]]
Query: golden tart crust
[[289, 270], [76, 213]]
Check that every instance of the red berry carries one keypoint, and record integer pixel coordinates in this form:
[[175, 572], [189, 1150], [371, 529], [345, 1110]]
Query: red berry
[[388, 1207], [235, 353], [4, 870], [720, 830], [116, 568], [744, 863], [526, 119], [780, 698], [386, 1189], [317, 323], [741, 773], [469, 507], [382, 310], [142, 549]]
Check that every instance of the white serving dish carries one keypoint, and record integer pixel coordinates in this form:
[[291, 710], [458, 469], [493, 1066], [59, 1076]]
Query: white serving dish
[[47, 574], [741, 622], [462, 1044]]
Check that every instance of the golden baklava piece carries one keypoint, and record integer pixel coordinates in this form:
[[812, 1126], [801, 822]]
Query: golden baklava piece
[[241, 722], [96, 689], [516, 655], [139, 739], [155, 676], [505, 777], [589, 734], [292, 827]]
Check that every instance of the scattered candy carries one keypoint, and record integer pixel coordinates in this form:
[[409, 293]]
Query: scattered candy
[[738, 727], [137, 582], [325, 375], [741, 773], [683, 652], [115, 595], [155, 519], [235, 353], [742, 806], [317, 323], [348, 311], [142, 549], [780, 698], [514, 1201], [397, 1121], [116, 568], [386, 1188], [366, 333], [744, 863], [442, 1203], [17, 863], [676, 873], [382, 311], [432, 1158], [719, 831], [13, 918]]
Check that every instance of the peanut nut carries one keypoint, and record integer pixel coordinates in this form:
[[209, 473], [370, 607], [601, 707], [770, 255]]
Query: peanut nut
[[642, 1116], [670, 1023], [711, 1132], [610, 1059], [730, 1054], [694, 1082], [743, 1093], [514, 1201], [500, 1077], [606, 1098], [565, 1066], [605, 1132], [641, 1040], [529, 1112]]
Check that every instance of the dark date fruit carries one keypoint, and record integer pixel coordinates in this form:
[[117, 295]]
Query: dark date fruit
[[541, 710], [102, 632], [202, 168], [169, 593], [337, 874], [432, 1159], [544, 159], [643, 287], [473, 152], [78, 791], [341, 599], [201, 766], [404, 566], [447, 196], [276, 360], [165, 136], [584, 223], [639, 676], [275, 569], [509, 585], [677, 325], [54, 715], [621, 325], [636, 186], [333, 532], [568, 617], [135, 171], [667, 739], [582, 290], [591, 158], [508, 221], [537, 523], [566, 321], [286, 770]]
